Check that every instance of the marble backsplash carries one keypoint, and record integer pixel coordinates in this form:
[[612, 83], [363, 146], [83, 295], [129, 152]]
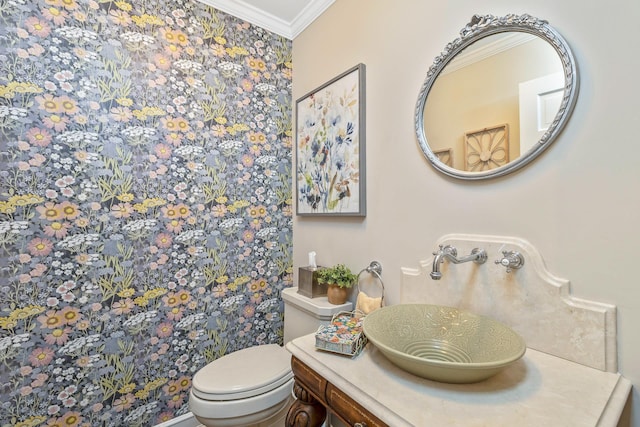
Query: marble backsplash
[[531, 300]]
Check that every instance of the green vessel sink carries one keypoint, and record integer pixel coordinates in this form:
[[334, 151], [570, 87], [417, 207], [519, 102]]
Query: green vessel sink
[[443, 343]]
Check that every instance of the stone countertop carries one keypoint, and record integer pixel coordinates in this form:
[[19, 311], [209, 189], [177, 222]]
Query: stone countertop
[[538, 390]]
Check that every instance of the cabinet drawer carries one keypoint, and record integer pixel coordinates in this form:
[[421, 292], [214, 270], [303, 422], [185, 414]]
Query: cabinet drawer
[[349, 410], [312, 381]]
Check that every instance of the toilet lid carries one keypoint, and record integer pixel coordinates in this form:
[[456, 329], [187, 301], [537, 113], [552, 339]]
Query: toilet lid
[[244, 373]]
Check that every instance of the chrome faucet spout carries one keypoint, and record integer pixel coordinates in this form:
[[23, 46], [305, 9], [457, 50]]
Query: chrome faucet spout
[[479, 256], [440, 255]]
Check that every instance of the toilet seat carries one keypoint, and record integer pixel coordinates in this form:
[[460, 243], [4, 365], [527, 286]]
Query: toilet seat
[[242, 412], [243, 374]]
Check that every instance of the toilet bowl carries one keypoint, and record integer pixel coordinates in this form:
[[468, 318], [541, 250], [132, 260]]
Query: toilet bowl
[[249, 387], [253, 386]]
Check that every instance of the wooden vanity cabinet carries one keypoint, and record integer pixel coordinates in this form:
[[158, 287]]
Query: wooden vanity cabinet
[[315, 396]]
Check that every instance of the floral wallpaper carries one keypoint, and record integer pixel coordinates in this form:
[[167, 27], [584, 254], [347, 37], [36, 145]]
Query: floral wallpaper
[[145, 204]]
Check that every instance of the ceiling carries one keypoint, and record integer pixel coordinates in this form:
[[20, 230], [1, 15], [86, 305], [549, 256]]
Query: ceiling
[[287, 18]]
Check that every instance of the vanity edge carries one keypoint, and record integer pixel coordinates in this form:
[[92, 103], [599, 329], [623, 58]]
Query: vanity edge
[[329, 365]]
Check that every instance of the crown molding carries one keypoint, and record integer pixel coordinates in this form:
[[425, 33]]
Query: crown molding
[[470, 56], [275, 24], [309, 14]]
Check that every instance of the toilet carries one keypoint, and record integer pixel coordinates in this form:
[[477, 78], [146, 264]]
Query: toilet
[[253, 386]]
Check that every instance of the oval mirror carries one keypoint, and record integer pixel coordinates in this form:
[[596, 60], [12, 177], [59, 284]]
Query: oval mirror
[[496, 97]]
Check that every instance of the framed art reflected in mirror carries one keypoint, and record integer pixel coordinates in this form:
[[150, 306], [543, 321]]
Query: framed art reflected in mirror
[[445, 156], [486, 149]]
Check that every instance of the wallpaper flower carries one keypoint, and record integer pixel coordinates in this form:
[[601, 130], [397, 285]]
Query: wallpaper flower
[[145, 204]]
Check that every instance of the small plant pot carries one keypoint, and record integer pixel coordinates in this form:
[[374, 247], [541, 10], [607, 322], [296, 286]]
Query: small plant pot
[[336, 295]]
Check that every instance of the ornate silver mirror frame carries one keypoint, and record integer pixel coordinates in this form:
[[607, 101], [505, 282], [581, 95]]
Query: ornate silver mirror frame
[[482, 26]]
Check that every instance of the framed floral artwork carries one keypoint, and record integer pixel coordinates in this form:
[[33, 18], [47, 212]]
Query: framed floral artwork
[[330, 147]]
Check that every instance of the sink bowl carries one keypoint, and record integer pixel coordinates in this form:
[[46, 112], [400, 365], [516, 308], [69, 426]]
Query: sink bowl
[[443, 343]]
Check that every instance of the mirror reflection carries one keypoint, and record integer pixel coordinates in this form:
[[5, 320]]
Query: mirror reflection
[[495, 98], [483, 110]]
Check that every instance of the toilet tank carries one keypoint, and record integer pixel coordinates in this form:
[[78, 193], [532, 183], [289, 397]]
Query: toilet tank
[[303, 315]]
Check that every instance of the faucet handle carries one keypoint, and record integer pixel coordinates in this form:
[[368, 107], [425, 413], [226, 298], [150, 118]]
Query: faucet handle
[[448, 249], [511, 260]]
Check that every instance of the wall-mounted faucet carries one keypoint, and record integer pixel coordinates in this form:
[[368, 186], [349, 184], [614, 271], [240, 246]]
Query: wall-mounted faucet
[[511, 260], [479, 256]]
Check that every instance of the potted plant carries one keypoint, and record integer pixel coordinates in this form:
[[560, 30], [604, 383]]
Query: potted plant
[[338, 280]]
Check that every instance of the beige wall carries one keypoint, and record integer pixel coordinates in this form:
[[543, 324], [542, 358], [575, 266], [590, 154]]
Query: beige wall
[[578, 203]]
